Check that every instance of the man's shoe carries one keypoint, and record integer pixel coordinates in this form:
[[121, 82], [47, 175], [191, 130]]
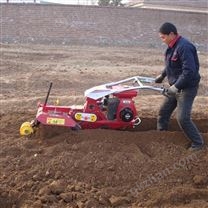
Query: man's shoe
[[197, 148]]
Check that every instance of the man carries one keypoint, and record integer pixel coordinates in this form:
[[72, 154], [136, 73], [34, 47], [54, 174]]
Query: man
[[182, 71]]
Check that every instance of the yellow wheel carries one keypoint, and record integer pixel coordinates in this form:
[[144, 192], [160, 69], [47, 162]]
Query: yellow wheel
[[26, 129]]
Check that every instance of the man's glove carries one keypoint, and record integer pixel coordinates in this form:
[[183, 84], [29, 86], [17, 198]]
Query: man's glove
[[171, 91], [159, 79]]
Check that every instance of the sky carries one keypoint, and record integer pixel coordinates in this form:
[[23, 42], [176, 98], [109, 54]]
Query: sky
[[82, 2], [54, 1], [38, 1]]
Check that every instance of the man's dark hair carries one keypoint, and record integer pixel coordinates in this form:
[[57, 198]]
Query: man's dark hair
[[167, 28]]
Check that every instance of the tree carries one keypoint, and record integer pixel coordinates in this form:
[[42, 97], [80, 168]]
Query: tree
[[116, 2], [104, 2], [109, 3]]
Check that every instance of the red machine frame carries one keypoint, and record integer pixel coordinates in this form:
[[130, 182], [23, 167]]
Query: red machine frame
[[94, 114], [108, 106]]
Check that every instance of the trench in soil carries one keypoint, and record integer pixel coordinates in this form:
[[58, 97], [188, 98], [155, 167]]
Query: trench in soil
[[148, 124], [12, 123]]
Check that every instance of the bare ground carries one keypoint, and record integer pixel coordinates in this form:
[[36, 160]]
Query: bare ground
[[94, 168]]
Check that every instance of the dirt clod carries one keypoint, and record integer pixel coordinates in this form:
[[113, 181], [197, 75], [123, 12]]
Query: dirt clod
[[200, 180], [57, 187]]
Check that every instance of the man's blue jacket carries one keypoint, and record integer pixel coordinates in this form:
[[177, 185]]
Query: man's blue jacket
[[182, 64]]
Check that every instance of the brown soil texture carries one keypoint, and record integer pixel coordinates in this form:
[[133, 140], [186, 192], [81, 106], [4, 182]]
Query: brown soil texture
[[58, 167]]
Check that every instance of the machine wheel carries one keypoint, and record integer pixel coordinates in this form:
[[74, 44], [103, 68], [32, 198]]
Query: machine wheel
[[26, 129]]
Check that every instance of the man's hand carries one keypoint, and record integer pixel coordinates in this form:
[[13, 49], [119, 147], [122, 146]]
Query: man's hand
[[159, 79], [171, 91]]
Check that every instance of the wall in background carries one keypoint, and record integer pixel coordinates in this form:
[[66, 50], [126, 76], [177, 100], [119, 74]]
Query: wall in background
[[59, 24]]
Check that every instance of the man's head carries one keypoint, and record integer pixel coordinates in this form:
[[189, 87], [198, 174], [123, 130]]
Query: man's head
[[167, 32]]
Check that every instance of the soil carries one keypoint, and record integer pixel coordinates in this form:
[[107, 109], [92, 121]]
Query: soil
[[94, 168]]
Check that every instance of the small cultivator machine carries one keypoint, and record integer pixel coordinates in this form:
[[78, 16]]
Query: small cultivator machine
[[109, 106]]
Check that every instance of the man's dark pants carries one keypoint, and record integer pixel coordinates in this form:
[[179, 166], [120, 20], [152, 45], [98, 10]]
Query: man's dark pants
[[183, 101]]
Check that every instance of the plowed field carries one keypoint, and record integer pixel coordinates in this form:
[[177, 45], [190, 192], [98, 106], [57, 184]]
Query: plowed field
[[94, 168]]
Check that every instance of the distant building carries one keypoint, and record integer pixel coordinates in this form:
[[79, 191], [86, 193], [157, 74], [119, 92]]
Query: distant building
[[170, 3]]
